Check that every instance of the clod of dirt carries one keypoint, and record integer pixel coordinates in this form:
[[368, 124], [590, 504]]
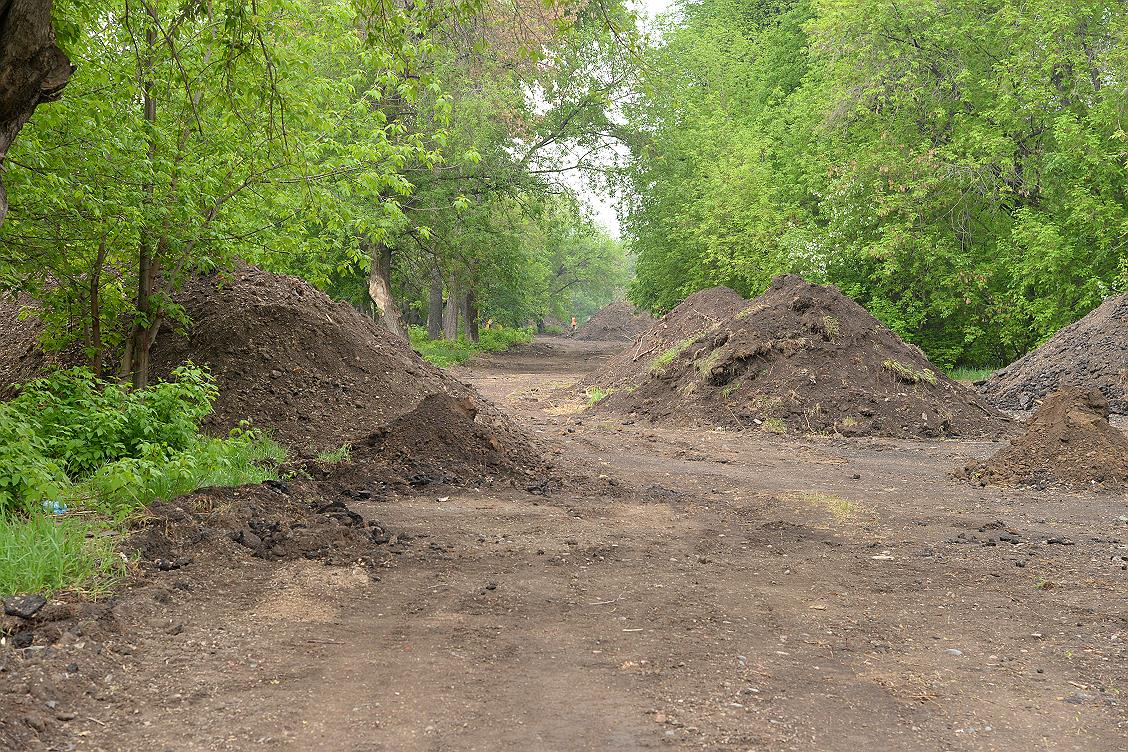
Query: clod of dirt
[[1068, 442], [617, 322], [1091, 353], [699, 312], [806, 358]]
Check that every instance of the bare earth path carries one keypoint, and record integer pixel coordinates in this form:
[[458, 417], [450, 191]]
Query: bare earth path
[[747, 592]]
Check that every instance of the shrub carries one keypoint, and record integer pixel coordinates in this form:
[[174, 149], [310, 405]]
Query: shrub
[[70, 437]]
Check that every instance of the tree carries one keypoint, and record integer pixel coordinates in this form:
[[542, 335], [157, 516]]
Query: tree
[[33, 69]]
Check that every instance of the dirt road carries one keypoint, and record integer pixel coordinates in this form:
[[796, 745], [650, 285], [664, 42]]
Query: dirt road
[[743, 592]]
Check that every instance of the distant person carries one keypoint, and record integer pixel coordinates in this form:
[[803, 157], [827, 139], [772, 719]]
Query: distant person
[[573, 332]]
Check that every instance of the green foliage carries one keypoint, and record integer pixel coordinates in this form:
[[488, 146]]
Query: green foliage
[[970, 374], [960, 169], [445, 353], [70, 438], [40, 553]]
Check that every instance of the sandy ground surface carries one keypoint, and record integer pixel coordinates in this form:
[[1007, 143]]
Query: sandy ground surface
[[745, 592]]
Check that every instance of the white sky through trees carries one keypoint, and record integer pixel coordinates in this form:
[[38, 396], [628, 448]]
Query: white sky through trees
[[602, 204]]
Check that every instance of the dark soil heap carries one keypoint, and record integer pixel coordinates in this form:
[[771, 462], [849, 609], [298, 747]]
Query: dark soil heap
[[617, 322], [1068, 442], [315, 372], [1091, 353], [21, 358], [808, 359], [699, 312]]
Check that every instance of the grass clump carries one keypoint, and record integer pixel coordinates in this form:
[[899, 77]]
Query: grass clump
[[774, 425], [79, 456], [445, 353], [666, 358], [595, 395], [41, 553], [343, 453], [908, 373]]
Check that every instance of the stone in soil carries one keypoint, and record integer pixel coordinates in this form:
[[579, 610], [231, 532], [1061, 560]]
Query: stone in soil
[[24, 606]]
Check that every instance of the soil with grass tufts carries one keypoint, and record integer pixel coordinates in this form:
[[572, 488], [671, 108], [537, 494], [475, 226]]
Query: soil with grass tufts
[[696, 314], [1091, 353], [1068, 443], [617, 322], [805, 358]]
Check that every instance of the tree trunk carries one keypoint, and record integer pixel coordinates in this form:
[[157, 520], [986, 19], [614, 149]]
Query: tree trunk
[[33, 69], [380, 289], [135, 364], [450, 311], [435, 304], [472, 315], [145, 330], [96, 343]]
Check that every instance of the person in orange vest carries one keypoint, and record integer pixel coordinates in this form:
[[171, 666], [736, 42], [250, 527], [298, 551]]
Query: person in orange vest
[[573, 334]]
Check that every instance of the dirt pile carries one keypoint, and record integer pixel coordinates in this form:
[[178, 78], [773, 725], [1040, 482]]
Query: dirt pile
[[617, 322], [445, 441], [1091, 353], [806, 358], [287, 358], [315, 373], [699, 312], [1068, 442], [21, 357]]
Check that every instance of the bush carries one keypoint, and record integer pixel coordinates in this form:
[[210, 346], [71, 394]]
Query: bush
[[70, 440]]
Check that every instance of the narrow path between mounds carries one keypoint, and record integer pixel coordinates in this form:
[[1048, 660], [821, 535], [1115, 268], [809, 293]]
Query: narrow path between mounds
[[741, 591]]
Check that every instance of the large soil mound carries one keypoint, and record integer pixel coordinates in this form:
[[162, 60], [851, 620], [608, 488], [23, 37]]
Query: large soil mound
[[689, 319], [617, 322], [806, 358], [316, 373], [1091, 353], [1068, 442]]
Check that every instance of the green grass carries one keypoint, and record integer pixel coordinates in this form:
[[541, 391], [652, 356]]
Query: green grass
[[666, 358], [445, 353], [970, 374], [595, 395], [343, 453], [42, 554]]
